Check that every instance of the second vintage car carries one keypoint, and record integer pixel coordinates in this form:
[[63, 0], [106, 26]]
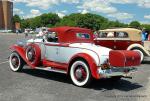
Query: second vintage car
[[124, 39], [71, 50]]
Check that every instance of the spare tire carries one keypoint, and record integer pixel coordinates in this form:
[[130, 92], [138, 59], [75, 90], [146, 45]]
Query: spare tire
[[33, 54]]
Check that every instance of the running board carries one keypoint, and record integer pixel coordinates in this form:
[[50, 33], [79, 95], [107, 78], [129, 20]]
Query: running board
[[52, 69]]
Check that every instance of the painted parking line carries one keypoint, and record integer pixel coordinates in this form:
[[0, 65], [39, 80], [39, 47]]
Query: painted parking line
[[3, 62]]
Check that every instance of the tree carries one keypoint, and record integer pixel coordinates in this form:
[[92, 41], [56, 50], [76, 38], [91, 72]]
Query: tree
[[25, 24], [146, 26], [16, 18], [91, 21], [135, 24], [49, 18]]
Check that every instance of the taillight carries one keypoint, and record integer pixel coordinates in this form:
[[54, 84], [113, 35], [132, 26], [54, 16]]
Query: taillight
[[106, 65]]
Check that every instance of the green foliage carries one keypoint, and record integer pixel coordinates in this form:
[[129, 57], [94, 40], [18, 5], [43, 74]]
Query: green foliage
[[91, 21], [135, 24], [49, 18], [16, 18], [146, 26], [46, 20]]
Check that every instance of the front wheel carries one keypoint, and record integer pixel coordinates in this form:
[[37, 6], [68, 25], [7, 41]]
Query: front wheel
[[15, 61], [80, 73]]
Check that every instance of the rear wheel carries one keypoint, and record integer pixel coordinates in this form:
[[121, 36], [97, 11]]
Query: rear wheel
[[16, 62], [80, 73]]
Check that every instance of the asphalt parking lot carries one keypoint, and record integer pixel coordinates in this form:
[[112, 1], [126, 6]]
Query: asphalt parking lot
[[37, 85]]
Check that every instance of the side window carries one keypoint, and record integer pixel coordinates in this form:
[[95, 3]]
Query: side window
[[51, 37], [122, 35], [106, 35], [102, 35], [110, 34], [83, 35]]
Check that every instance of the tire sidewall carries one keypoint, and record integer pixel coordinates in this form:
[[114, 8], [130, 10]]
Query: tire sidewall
[[10, 62], [72, 74]]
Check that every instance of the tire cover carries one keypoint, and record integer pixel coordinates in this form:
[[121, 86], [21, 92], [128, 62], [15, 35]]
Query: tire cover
[[36, 53]]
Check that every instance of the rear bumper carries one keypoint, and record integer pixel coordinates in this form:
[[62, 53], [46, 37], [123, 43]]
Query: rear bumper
[[115, 71]]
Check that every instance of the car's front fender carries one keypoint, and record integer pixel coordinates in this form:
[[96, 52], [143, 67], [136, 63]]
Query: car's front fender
[[21, 51]]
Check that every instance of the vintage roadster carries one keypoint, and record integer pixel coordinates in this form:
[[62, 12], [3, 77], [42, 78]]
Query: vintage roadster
[[71, 50], [124, 39]]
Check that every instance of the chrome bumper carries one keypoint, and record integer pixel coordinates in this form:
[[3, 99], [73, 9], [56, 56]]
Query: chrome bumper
[[116, 71]]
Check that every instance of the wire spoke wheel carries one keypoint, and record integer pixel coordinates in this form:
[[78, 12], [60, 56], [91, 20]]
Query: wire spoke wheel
[[15, 61]]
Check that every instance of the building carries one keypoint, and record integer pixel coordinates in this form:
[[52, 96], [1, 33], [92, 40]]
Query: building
[[6, 15]]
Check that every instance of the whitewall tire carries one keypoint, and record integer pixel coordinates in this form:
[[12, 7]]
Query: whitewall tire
[[80, 73], [141, 54], [15, 61]]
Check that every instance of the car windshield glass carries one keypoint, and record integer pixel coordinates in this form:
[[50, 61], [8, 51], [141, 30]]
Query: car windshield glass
[[52, 37], [83, 35]]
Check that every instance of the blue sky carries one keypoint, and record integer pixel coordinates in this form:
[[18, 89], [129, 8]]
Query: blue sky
[[122, 10]]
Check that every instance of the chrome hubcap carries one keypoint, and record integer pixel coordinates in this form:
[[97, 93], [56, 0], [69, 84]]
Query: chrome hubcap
[[80, 74], [30, 54], [15, 61]]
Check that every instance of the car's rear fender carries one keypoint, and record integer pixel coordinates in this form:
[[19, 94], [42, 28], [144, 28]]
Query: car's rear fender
[[138, 46], [21, 51], [89, 60]]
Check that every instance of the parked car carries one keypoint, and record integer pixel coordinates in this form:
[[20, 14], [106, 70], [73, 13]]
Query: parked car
[[123, 39], [71, 50]]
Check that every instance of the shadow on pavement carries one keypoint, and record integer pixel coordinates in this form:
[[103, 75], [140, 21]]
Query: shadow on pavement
[[146, 62], [103, 84], [48, 75], [109, 84]]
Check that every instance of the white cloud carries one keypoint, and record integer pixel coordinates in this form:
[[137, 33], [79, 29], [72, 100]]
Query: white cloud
[[147, 16], [33, 13], [61, 15], [17, 11], [121, 16], [145, 22], [64, 11], [44, 4], [83, 11], [70, 1], [98, 6], [141, 3]]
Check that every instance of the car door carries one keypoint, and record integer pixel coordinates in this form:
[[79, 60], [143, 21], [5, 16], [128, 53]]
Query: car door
[[52, 51], [122, 40], [51, 46]]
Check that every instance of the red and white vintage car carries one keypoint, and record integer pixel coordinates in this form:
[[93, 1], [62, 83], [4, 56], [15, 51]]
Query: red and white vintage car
[[71, 50]]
